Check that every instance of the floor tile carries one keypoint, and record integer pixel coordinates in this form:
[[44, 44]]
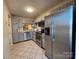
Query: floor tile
[[27, 50]]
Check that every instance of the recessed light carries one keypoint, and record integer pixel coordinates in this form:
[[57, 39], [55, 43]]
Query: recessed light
[[29, 9]]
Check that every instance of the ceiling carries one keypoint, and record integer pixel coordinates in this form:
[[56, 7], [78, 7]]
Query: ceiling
[[17, 6]]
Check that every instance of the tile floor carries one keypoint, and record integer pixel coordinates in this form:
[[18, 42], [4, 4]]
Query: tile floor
[[27, 50]]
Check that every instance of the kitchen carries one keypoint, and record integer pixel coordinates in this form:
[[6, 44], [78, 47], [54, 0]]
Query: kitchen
[[38, 30]]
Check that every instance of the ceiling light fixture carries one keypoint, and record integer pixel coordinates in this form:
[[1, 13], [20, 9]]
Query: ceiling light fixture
[[29, 9]]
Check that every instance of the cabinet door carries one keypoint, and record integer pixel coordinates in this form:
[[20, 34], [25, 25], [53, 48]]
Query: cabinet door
[[15, 37], [15, 32], [21, 36]]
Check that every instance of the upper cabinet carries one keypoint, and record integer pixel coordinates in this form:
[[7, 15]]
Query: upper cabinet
[[21, 21]]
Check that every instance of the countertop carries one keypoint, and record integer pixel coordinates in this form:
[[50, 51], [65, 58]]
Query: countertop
[[25, 30]]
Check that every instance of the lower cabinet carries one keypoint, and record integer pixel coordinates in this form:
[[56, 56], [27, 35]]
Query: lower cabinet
[[28, 35], [20, 36], [15, 37]]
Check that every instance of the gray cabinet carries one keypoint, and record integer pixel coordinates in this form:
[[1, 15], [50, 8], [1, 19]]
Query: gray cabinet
[[15, 32], [17, 24], [17, 36], [21, 36], [28, 35]]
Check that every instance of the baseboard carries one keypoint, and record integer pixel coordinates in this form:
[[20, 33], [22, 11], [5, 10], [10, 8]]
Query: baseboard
[[23, 41]]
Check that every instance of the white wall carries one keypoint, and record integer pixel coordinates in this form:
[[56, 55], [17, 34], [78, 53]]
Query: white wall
[[51, 11], [5, 31]]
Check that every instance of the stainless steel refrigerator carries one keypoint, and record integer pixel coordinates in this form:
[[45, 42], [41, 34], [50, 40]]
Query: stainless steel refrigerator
[[58, 34]]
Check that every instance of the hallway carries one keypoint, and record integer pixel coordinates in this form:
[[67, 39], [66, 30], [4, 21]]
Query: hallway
[[27, 50]]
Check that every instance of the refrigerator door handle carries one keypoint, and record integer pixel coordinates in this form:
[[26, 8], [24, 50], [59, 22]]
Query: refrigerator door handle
[[53, 33], [53, 38]]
